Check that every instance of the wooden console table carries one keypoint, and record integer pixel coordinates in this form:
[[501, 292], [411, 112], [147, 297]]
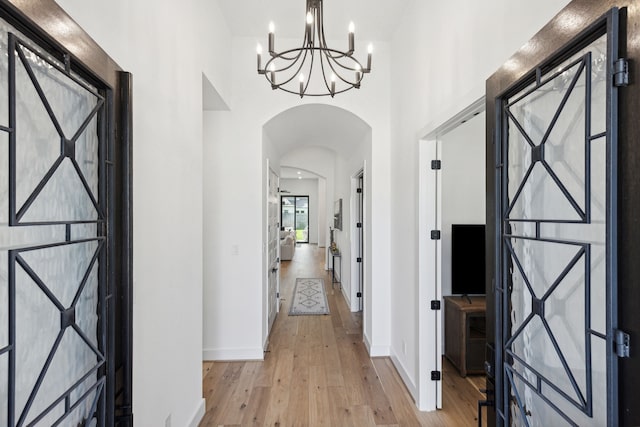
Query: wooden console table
[[465, 333]]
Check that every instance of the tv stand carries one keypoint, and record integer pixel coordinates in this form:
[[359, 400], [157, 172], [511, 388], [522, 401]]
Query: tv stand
[[465, 333], [467, 297]]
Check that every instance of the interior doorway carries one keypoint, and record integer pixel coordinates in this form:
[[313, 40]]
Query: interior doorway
[[461, 206], [452, 180]]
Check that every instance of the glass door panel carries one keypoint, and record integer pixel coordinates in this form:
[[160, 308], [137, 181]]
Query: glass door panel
[[288, 213]]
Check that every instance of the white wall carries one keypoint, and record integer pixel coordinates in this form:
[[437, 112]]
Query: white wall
[[167, 46], [442, 54], [306, 187], [463, 184], [322, 212], [346, 169], [252, 104]]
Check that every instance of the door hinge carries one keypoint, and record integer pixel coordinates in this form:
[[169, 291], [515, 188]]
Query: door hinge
[[621, 72], [435, 304], [435, 234], [359, 295], [359, 190], [623, 344], [358, 259], [436, 376], [436, 164], [359, 225], [277, 294]]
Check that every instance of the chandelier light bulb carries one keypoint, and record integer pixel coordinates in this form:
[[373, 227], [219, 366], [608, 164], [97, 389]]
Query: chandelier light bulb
[[272, 74], [309, 18], [272, 27], [370, 51], [301, 77], [259, 55], [351, 38], [370, 48], [333, 84]]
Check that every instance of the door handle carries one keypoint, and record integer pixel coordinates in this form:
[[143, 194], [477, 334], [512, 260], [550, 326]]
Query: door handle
[[273, 270]]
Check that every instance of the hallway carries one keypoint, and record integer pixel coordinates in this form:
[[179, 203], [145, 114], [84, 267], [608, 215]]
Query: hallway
[[317, 372]]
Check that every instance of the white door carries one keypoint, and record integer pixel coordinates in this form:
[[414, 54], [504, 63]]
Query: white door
[[273, 247]]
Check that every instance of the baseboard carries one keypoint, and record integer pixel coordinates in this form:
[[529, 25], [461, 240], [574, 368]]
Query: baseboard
[[199, 414], [406, 378], [346, 297], [376, 350], [230, 354]]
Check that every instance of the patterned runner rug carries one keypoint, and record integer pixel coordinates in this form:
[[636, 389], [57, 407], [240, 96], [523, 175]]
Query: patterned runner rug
[[309, 298]]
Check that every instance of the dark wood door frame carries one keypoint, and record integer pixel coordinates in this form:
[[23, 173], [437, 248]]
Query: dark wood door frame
[[564, 27], [47, 24]]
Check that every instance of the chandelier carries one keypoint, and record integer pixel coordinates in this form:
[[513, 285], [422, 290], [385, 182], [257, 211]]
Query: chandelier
[[339, 71]]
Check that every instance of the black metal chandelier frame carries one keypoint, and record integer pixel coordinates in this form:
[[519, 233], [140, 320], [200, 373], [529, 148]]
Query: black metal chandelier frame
[[293, 60]]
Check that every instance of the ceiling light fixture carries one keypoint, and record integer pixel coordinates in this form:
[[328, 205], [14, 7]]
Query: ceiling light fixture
[[339, 71]]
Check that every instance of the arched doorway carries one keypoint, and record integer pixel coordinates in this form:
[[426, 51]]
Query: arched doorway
[[334, 144]]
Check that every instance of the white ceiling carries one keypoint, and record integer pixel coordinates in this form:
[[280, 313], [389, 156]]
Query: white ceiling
[[295, 173], [316, 125], [374, 19]]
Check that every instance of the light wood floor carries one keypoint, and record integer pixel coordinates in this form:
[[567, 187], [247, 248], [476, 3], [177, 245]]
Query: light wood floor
[[317, 372]]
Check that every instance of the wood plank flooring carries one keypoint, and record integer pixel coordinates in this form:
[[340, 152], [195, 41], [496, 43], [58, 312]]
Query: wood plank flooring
[[317, 372]]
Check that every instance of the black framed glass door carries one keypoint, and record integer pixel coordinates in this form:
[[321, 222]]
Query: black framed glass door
[[295, 216], [65, 216], [556, 291]]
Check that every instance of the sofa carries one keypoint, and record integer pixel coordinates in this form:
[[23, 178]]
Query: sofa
[[287, 245]]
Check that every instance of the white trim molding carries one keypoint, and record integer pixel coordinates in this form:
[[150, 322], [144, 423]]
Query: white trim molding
[[232, 354], [198, 414]]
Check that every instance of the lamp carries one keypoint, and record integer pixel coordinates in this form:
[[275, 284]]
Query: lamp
[[339, 71]]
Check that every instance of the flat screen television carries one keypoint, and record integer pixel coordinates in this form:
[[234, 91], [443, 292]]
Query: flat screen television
[[467, 259]]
